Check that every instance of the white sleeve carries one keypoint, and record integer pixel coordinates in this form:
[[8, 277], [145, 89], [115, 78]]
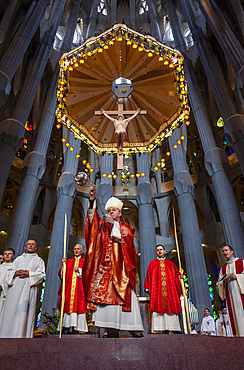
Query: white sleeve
[[91, 211], [116, 231], [240, 281], [36, 277]]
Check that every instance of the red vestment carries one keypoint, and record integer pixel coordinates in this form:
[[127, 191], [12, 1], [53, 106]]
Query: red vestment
[[109, 270], [163, 280], [74, 291]]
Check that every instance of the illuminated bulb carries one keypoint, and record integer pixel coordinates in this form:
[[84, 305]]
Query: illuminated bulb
[[89, 54], [182, 137], [111, 42], [76, 64], [109, 176], [63, 140], [178, 142], [182, 85], [71, 68], [142, 174], [61, 88], [114, 177], [175, 146], [77, 156], [163, 160], [187, 123], [61, 95], [82, 61], [171, 65], [129, 42], [91, 170], [71, 149], [184, 102], [62, 82], [166, 62], [88, 166], [138, 175], [160, 59], [59, 120], [186, 117], [164, 168], [105, 47], [183, 92], [182, 79], [84, 161], [67, 144], [100, 50], [120, 38], [158, 164], [132, 176], [123, 177], [58, 126], [155, 168], [168, 154], [134, 46], [140, 48], [150, 54], [104, 175]]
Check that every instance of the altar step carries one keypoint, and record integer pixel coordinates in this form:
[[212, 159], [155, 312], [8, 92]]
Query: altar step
[[151, 352]]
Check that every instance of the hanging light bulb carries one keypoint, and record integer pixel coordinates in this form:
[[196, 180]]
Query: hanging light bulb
[[132, 175], [71, 149], [77, 156], [155, 168], [143, 174], [175, 146], [104, 175], [63, 140], [168, 154], [84, 161], [91, 170], [114, 177], [67, 144], [182, 137], [109, 176], [178, 142]]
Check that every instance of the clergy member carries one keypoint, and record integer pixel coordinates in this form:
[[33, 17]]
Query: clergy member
[[75, 303], [220, 328], [18, 315], [109, 272], [1, 258], [231, 288], [163, 285], [208, 324], [8, 258]]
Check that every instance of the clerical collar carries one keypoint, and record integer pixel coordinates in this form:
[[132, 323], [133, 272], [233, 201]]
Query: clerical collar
[[162, 258], [232, 259], [78, 257]]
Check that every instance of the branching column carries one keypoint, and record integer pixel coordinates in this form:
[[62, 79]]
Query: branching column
[[195, 262], [145, 200], [92, 19]]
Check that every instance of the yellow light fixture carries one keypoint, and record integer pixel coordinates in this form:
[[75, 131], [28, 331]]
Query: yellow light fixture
[[120, 38], [143, 174], [183, 92], [186, 116], [61, 88], [138, 175], [84, 161], [67, 144], [188, 123], [77, 156], [163, 160], [76, 64], [150, 54], [100, 50], [140, 48], [164, 168], [82, 61], [134, 46], [71, 68], [89, 54], [132, 175], [104, 175], [63, 140], [182, 85], [182, 79], [59, 120], [175, 146], [178, 142], [109, 176], [171, 65], [184, 102], [111, 42], [160, 59], [91, 170], [105, 47], [129, 42], [114, 177], [166, 62], [168, 154], [71, 149], [158, 164], [58, 126], [182, 137], [88, 166], [123, 176]]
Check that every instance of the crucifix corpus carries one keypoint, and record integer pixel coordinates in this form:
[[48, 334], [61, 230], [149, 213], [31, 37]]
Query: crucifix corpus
[[120, 126]]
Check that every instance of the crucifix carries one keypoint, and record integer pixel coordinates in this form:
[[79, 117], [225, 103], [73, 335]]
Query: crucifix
[[120, 126]]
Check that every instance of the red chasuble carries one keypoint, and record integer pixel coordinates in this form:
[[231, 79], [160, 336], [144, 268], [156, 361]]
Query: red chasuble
[[109, 270], [163, 281], [74, 291]]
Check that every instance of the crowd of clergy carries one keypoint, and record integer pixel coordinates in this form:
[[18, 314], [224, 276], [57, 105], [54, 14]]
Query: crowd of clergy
[[104, 282]]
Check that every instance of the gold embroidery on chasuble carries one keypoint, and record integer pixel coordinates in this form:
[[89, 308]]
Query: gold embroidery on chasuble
[[73, 286], [105, 273], [164, 285]]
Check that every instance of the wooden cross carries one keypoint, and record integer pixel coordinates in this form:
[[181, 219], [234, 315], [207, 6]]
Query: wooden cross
[[120, 126]]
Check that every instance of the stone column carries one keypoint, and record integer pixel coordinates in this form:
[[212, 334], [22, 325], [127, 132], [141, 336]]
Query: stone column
[[145, 199], [155, 30], [231, 46], [113, 14], [133, 14], [12, 129], [66, 191], [18, 46], [233, 122], [92, 19], [105, 188], [195, 262], [215, 159]]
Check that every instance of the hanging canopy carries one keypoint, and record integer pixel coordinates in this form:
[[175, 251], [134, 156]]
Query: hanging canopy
[[126, 67]]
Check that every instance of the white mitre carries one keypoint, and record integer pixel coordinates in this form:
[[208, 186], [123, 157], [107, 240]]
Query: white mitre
[[113, 202]]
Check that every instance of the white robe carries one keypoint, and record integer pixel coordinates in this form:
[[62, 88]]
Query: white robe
[[208, 324], [18, 315], [236, 288], [220, 329], [3, 270]]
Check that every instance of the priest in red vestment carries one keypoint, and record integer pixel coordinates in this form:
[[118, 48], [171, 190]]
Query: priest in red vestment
[[109, 272], [231, 288], [163, 285], [75, 303]]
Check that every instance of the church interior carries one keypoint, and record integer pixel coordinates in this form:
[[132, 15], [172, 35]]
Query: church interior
[[180, 174]]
